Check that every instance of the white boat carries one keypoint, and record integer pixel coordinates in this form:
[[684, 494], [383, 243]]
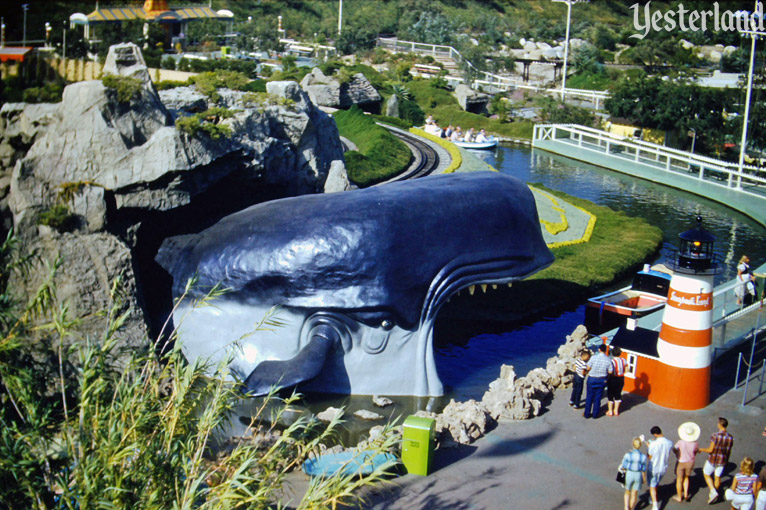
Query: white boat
[[489, 144]]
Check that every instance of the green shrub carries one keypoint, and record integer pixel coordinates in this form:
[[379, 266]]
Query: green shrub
[[59, 218], [207, 122], [381, 155], [208, 83], [170, 84], [48, 93], [168, 63], [127, 87]]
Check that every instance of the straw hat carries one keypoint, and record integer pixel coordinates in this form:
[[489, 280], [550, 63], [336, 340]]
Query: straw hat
[[689, 431]]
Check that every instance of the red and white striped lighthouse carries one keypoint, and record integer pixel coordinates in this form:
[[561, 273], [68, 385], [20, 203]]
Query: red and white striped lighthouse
[[682, 376]]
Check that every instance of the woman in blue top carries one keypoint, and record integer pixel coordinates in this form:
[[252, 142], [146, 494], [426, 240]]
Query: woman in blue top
[[634, 465]]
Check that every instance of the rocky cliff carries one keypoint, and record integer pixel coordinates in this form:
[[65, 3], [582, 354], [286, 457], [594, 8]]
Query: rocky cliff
[[100, 178]]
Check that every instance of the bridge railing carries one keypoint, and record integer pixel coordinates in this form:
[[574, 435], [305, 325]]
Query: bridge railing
[[751, 180]]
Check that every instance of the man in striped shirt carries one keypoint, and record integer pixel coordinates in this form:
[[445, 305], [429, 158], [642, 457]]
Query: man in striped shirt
[[719, 450], [579, 378], [599, 367]]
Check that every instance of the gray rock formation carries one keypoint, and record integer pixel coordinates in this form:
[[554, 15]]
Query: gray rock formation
[[328, 91], [392, 106], [470, 100], [112, 163]]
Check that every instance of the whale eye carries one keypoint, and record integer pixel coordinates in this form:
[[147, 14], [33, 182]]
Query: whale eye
[[386, 324]]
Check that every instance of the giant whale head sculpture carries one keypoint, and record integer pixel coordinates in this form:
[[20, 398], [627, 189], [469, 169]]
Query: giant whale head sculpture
[[359, 277]]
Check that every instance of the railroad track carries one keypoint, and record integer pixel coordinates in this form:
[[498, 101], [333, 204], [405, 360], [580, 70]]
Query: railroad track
[[425, 159]]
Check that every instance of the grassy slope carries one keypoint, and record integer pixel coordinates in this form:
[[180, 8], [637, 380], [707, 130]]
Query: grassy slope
[[380, 156]]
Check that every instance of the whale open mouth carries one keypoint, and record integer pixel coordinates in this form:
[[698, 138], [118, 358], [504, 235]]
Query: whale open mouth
[[375, 264]]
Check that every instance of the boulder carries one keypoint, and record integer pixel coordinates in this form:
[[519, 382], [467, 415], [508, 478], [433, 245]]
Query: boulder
[[367, 415], [182, 101], [115, 163], [463, 422], [382, 401], [337, 178], [329, 414], [471, 100], [328, 91], [392, 106]]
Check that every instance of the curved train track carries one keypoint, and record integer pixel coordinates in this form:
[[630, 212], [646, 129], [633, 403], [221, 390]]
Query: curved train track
[[425, 160]]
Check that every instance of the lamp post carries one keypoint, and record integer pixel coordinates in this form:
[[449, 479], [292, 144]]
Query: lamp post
[[753, 33], [2, 32], [25, 8], [340, 15], [47, 34], [566, 43]]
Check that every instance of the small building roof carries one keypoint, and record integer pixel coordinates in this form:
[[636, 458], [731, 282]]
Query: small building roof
[[16, 53], [640, 341]]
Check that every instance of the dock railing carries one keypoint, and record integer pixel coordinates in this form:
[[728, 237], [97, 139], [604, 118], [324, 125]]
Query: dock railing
[[751, 180]]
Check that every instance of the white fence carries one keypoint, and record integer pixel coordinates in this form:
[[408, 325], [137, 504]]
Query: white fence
[[487, 80], [750, 181]]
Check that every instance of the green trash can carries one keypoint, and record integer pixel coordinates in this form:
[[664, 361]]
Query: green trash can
[[418, 444]]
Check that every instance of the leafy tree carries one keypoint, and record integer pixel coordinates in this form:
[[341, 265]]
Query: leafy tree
[[557, 111], [588, 59], [432, 27]]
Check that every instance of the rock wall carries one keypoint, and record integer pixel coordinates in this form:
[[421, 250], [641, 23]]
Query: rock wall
[[113, 166]]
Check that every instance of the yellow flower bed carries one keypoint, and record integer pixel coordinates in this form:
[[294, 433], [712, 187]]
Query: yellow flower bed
[[556, 228]]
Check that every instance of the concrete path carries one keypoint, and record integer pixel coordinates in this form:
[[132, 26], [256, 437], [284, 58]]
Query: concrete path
[[561, 460]]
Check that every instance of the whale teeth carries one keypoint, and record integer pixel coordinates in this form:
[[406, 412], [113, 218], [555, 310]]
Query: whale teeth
[[484, 288], [472, 289], [494, 286]]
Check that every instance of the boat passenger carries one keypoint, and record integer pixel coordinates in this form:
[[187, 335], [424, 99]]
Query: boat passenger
[[481, 137], [430, 120], [457, 135], [448, 131], [469, 136]]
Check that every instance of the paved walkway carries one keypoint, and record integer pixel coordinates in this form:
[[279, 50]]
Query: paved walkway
[[561, 460]]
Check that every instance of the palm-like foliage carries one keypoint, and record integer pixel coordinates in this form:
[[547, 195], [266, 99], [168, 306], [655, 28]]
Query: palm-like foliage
[[143, 434]]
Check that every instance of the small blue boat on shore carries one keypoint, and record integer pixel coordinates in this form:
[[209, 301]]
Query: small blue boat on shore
[[349, 463]]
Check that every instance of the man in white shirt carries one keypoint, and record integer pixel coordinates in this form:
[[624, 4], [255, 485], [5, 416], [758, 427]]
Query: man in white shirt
[[659, 450]]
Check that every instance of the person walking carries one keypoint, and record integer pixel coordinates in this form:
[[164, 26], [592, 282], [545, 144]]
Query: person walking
[[580, 365], [744, 486], [599, 367], [686, 449], [659, 450], [719, 450], [615, 383], [634, 464]]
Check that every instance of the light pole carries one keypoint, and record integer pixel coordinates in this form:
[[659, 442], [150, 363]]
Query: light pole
[[47, 34], [754, 34], [340, 15], [2, 32], [25, 8], [566, 43]]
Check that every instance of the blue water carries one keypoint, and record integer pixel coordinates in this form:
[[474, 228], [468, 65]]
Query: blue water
[[466, 370]]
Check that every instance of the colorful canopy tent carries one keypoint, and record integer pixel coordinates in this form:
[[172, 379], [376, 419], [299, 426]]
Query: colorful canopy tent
[[157, 11]]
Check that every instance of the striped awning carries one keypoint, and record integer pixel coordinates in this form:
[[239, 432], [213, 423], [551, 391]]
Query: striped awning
[[186, 13], [116, 14], [169, 16]]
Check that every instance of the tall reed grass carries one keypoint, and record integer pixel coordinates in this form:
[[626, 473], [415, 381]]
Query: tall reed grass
[[84, 426]]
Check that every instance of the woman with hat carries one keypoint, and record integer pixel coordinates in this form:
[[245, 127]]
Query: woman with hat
[[686, 449]]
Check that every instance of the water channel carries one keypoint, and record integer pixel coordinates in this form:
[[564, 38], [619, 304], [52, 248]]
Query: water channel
[[467, 367]]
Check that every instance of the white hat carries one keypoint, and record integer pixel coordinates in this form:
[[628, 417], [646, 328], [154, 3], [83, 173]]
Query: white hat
[[689, 431]]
